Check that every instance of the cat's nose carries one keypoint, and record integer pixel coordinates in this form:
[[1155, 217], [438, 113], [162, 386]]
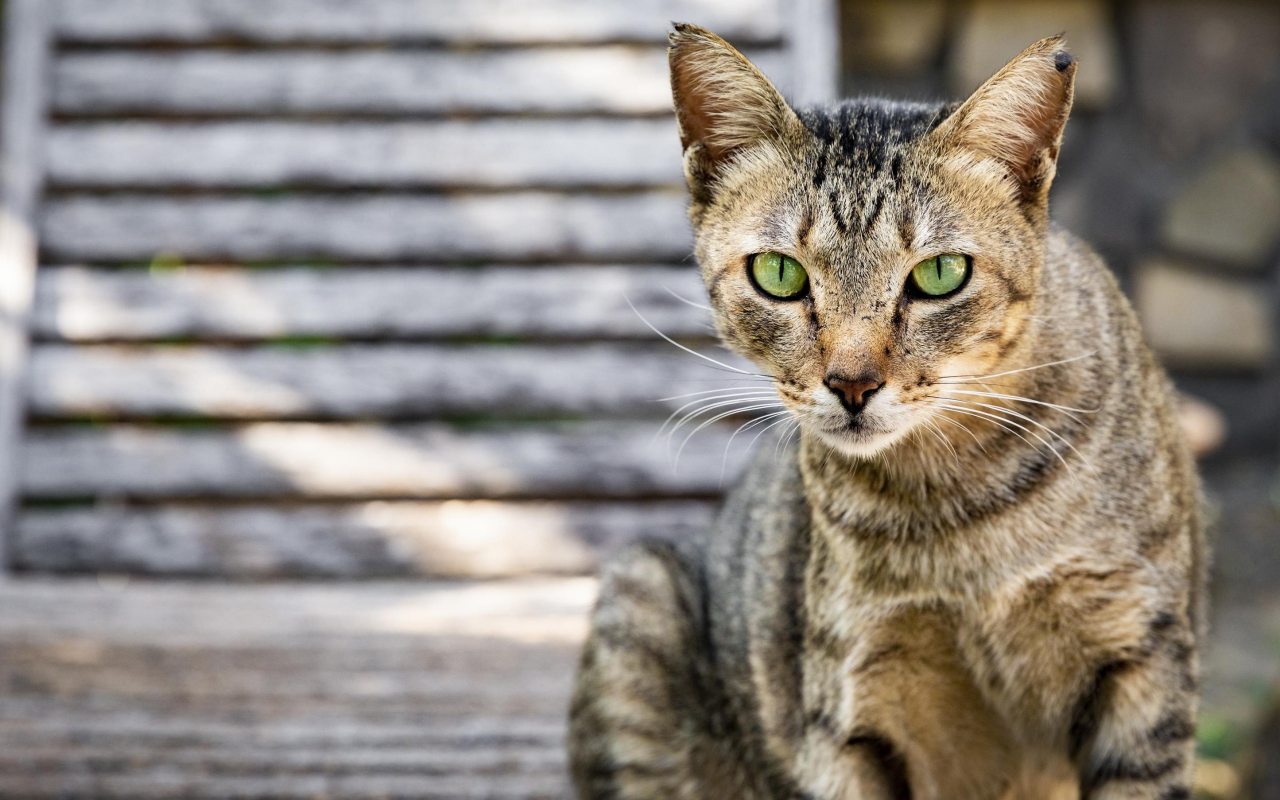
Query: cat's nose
[[853, 392]]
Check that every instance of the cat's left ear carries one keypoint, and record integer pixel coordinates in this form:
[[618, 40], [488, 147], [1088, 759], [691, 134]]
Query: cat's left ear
[[1017, 117], [723, 103]]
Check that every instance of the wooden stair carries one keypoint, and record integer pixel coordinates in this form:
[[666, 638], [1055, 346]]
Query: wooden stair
[[342, 289]]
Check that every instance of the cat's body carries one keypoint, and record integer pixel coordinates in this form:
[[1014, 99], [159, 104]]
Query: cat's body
[[1001, 614]]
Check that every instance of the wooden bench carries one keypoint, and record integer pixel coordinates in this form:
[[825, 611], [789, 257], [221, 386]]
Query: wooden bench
[[342, 288]]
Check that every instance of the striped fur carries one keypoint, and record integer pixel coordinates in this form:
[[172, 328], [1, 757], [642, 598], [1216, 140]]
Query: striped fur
[[980, 587]]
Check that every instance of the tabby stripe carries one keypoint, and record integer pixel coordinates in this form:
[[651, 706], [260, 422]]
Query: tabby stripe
[[1120, 769], [890, 760], [1176, 726], [1086, 717]]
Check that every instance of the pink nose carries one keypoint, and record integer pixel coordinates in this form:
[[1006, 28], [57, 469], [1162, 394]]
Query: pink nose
[[853, 392]]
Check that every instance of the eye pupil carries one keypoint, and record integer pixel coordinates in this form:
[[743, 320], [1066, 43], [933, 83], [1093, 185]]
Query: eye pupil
[[940, 276], [777, 276]]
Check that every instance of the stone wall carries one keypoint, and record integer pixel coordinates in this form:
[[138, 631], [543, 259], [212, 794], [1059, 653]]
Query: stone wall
[[1171, 165]]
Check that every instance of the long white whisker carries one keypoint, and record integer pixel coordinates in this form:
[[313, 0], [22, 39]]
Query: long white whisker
[[786, 437], [717, 418], [1042, 426], [1027, 369], [1006, 421], [713, 391], [689, 350], [962, 427], [711, 406], [1068, 410], [941, 437], [684, 300], [724, 461]]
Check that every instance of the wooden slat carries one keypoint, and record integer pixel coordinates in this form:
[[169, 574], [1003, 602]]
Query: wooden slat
[[22, 127], [264, 460], [165, 689], [455, 538], [86, 304], [493, 153], [369, 380], [454, 21], [614, 80], [643, 226]]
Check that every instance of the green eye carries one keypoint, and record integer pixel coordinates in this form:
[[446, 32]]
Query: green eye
[[779, 276], [940, 275]]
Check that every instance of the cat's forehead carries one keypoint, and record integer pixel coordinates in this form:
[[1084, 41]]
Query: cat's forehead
[[865, 135]]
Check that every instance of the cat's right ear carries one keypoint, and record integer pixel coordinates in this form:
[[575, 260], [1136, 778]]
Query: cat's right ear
[[723, 103]]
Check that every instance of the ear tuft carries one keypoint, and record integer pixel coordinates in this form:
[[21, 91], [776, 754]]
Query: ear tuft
[[1018, 115], [723, 103]]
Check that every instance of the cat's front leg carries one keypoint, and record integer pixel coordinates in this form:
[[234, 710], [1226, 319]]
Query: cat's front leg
[[1133, 734]]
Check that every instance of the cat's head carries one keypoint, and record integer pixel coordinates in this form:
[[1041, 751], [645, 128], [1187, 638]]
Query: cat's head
[[861, 251]]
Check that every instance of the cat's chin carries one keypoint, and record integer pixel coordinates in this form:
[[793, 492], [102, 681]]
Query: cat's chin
[[858, 441]]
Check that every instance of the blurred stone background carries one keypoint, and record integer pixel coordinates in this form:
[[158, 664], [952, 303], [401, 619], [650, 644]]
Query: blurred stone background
[[1171, 169]]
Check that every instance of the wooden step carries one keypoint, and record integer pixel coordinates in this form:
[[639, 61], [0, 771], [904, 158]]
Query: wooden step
[[396, 381], [168, 690], [562, 301], [614, 79], [513, 153], [454, 538], [452, 21], [638, 226], [429, 461]]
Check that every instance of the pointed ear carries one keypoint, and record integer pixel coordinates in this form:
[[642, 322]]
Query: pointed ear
[[723, 103], [1018, 115]]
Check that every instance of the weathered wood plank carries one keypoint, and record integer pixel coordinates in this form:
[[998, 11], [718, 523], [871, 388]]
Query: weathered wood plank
[[366, 381], [610, 80], [456, 538], [165, 783], [162, 689], [490, 153], [22, 126], [284, 460], [85, 304], [453, 21], [643, 226]]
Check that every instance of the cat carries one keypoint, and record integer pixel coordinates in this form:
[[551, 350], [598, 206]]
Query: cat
[[978, 571]]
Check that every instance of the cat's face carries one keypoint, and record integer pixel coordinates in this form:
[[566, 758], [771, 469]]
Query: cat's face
[[860, 253]]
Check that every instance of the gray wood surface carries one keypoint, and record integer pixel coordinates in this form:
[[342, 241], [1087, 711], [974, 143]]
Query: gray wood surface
[[643, 226], [514, 153], [428, 461], [22, 126], [354, 690], [455, 538], [611, 79], [370, 380], [452, 21], [85, 304]]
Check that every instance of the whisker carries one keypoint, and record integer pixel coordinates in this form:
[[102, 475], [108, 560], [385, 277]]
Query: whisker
[[786, 437], [941, 437], [1065, 409], [712, 391], [714, 419], [707, 405], [1026, 369], [1038, 424], [724, 460], [688, 350], [684, 299], [964, 428], [1004, 422]]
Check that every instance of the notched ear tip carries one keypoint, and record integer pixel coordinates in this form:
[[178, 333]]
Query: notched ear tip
[[687, 33]]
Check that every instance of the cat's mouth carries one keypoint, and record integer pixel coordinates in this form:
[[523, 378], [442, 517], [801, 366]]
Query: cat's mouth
[[857, 435]]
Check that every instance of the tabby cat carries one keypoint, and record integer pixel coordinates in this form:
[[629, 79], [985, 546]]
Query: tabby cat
[[978, 572]]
